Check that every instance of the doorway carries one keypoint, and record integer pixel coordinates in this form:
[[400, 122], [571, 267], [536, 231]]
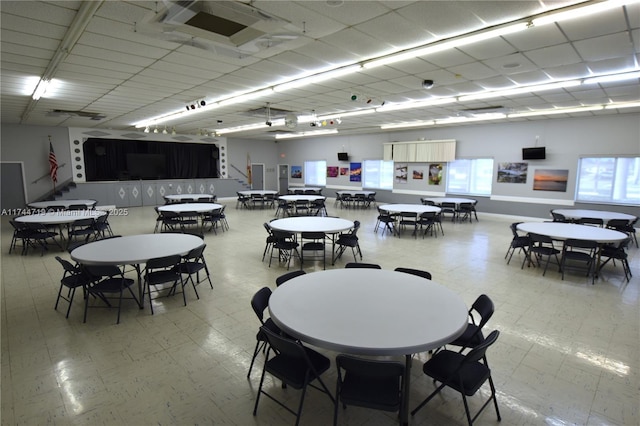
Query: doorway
[[257, 176], [283, 178]]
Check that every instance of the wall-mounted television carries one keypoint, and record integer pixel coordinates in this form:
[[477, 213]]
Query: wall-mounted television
[[343, 156], [536, 153]]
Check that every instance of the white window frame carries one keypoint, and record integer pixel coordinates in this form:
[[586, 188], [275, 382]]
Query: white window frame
[[609, 179], [377, 174], [477, 176]]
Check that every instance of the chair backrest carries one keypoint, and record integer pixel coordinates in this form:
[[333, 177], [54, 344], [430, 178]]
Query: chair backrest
[[514, 228], [591, 221], [428, 202], [370, 367], [99, 271], [85, 222], [163, 262], [417, 272], [354, 265], [78, 207], [484, 306], [541, 239], [195, 253], [478, 353], [289, 275], [557, 217], [260, 302], [286, 346], [68, 266], [588, 245], [617, 224]]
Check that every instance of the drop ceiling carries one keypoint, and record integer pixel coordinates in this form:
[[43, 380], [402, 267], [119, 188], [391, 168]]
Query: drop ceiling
[[130, 61]]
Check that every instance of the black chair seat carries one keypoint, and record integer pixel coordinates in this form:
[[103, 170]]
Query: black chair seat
[[446, 363]]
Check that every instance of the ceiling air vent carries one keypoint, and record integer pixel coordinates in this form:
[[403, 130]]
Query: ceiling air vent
[[82, 114]]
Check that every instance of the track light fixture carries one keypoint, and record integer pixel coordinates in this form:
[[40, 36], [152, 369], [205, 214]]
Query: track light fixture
[[146, 129], [196, 104]]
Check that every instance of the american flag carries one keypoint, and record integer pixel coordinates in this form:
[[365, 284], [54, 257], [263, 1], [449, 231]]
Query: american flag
[[53, 164]]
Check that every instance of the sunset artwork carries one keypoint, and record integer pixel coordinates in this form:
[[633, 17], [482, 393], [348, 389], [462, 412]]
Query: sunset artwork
[[550, 180]]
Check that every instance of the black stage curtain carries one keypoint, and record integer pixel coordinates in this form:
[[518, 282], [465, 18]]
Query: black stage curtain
[[115, 159]]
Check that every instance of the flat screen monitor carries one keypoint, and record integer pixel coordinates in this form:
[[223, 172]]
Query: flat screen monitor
[[537, 153], [343, 156]]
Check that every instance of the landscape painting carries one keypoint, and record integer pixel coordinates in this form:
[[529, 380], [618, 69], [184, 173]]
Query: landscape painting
[[512, 172], [550, 180]]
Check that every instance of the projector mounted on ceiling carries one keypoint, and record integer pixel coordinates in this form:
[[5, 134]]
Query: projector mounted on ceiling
[[229, 23]]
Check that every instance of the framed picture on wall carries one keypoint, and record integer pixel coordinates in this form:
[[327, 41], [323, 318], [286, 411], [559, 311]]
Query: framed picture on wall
[[296, 172], [512, 172], [417, 174], [401, 170], [550, 180], [435, 174], [355, 175], [332, 171], [344, 171]]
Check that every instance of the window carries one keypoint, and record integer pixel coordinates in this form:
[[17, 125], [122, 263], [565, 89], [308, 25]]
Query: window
[[614, 180], [315, 173], [472, 177], [378, 174]]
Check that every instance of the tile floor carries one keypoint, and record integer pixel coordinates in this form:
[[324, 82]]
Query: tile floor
[[567, 354]]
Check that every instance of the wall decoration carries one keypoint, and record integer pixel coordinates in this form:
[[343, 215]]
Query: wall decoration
[[296, 172], [355, 175], [435, 174], [512, 172], [344, 171], [332, 171], [401, 172], [417, 174], [550, 180]]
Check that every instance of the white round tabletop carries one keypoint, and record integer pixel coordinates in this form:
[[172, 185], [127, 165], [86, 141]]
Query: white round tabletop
[[190, 207], [258, 192], [61, 203], [366, 193], [304, 188], [368, 311], [191, 197], [302, 197], [60, 217], [134, 249], [606, 216], [439, 200], [409, 208], [563, 231], [329, 225]]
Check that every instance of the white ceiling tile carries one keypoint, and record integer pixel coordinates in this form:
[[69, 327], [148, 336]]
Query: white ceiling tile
[[605, 47], [553, 56]]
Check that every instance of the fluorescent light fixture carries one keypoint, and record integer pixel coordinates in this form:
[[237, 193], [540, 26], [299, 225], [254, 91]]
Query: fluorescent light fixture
[[303, 134], [317, 78], [623, 105], [438, 47], [556, 111], [580, 11], [415, 104], [613, 77], [408, 124], [347, 114], [254, 126], [41, 88], [520, 90], [246, 97], [485, 117]]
